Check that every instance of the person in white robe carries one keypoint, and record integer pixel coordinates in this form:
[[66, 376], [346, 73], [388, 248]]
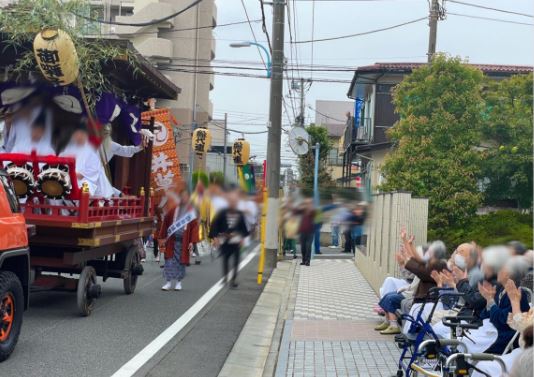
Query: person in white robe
[[88, 165], [39, 138]]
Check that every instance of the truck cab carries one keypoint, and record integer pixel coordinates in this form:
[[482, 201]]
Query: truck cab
[[14, 266]]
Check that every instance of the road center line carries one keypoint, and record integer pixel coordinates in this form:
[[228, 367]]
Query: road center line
[[135, 363]]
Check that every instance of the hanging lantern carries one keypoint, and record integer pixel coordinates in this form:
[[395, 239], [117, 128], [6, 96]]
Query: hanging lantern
[[241, 151], [201, 140], [56, 56]]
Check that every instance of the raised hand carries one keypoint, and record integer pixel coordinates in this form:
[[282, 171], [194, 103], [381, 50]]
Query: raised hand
[[448, 278], [487, 291], [458, 274], [437, 278], [514, 294]]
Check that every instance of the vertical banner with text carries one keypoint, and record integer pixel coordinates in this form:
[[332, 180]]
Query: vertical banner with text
[[165, 171]]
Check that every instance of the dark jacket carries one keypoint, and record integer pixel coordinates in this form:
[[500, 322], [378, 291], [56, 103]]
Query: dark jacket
[[423, 271], [472, 297], [220, 227], [498, 316]]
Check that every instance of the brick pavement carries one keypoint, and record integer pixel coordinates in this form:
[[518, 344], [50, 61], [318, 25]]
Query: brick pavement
[[331, 334]]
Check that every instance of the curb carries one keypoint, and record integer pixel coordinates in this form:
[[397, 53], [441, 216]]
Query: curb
[[249, 355]]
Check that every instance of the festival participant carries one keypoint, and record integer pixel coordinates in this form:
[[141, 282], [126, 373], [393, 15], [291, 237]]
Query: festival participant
[[110, 148], [88, 165], [228, 231], [177, 237], [40, 138]]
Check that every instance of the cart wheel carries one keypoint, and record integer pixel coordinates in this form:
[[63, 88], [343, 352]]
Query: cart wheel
[[133, 265], [11, 308], [87, 291]]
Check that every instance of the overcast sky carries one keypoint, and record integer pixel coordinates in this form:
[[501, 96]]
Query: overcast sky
[[247, 99]]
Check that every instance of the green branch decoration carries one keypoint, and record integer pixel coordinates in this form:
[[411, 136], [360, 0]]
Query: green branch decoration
[[21, 21]]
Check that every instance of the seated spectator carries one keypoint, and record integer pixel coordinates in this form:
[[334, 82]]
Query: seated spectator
[[466, 259], [498, 304], [422, 268]]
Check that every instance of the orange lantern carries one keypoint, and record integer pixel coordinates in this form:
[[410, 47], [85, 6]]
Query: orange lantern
[[201, 140], [241, 151], [56, 56]]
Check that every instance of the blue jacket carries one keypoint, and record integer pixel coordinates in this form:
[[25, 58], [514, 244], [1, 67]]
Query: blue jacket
[[498, 315]]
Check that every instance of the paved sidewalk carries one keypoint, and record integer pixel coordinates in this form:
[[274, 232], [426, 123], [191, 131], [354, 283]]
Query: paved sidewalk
[[331, 332]]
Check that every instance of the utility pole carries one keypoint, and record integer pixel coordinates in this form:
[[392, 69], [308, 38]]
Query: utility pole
[[301, 102], [225, 139], [433, 23], [275, 134]]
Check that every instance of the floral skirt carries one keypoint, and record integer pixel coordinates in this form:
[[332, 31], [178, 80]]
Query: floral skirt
[[173, 269]]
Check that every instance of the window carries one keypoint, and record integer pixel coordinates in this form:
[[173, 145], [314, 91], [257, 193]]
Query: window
[[10, 194]]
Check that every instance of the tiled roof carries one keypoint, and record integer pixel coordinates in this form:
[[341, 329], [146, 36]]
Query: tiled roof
[[486, 68]]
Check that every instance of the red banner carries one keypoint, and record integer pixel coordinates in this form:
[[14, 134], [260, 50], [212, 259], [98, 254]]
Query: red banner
[[165, 172]]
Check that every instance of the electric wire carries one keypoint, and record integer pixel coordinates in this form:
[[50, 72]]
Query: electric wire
[[489, 19], [253, 34], [264, 27], [135, 24], [365, 32], [490, 8]]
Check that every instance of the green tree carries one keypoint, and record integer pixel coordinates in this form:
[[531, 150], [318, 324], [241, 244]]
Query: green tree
[[440, 108], [507, 162], [319, 135]]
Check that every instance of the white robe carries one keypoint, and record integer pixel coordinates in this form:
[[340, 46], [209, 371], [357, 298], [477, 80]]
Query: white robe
[[24, 144], [20, 130], [115, 149], [87, 164]]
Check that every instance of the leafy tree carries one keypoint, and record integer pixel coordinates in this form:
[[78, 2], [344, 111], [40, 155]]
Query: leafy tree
[[440, 108], [319, 135], [507, 133]]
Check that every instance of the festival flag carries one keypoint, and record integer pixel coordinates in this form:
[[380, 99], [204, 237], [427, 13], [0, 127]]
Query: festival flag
[[165, 172]]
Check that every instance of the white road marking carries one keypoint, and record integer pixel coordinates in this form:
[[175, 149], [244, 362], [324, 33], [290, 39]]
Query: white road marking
[[132, 366]]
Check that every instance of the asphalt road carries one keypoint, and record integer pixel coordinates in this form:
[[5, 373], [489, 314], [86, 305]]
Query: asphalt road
[[56, 341]]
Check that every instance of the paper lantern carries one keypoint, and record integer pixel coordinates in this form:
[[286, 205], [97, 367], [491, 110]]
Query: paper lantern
[[201, 140], [241, 151], [56, 56]]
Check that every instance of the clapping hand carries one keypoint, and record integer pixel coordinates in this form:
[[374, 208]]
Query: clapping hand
[[458, 274], [437, 278], [487, 291], [514, 294], [448, 278]]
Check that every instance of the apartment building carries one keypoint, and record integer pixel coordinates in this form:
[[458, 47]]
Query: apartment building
[[179, 47]]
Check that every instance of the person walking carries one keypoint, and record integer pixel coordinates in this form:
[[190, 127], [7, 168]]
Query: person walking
[[306, 230], [228, 231], [178, 235]]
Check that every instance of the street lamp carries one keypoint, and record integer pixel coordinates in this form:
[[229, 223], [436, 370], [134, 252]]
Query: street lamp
[[267, 54]]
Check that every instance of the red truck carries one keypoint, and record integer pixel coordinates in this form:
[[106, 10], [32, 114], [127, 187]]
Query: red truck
[[14, 267]]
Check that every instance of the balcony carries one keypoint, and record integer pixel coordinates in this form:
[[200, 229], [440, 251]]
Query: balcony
[[149, 12], [156, 49], [362, 134]]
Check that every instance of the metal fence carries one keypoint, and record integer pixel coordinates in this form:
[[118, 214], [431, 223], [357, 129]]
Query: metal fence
[[390, 212]]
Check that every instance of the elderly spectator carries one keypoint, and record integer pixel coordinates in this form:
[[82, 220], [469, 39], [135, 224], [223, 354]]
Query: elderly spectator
[[499, 305], [517, 248], [465, 258]]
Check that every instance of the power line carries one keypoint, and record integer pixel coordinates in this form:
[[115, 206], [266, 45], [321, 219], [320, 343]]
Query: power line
[[146, 23], [239, 74], [489, 19], [253, 34], [264, 27], [490, 8], [365, 32], [192, 28], [327, 116], [312, 31]]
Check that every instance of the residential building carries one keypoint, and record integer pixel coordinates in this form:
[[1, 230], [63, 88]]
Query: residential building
[[176, 47], [333, 116], [365, 141]]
